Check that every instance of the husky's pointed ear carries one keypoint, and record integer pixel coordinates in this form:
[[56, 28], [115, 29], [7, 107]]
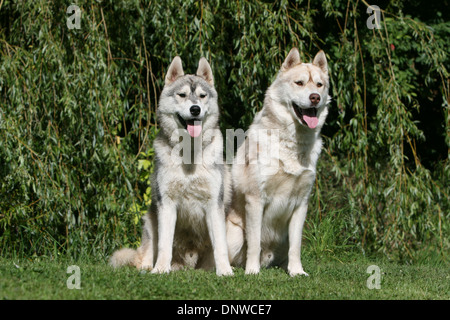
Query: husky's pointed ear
[[175, 70], [320, 60], [204, 71], [292, 59]]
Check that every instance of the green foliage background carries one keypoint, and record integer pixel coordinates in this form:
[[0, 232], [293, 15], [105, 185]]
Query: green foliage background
[[77, 115]]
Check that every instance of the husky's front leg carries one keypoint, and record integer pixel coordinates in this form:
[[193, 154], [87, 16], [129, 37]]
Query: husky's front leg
[[295, 240], [215, 220], [253, 226], [167, 218]]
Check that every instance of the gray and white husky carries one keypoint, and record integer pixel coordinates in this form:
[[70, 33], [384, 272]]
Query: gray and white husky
[[272, 183], [185, 225]]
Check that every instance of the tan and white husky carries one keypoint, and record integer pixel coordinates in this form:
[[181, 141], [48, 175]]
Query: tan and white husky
[[272, 183]]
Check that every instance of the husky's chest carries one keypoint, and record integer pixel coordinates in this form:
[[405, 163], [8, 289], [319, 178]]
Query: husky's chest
[[186, 187], [284, 191], [192, 192]]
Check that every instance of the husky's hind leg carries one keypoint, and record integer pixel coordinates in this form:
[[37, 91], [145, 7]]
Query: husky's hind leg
[[147, 250]]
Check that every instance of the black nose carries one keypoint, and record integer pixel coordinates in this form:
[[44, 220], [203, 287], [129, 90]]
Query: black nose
[[315, 98], [195, 110]]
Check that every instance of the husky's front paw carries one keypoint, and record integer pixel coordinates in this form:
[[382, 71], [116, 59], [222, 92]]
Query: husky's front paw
[[227, 271], [252, 265], [252, 270], [160, 270], [298, 272]]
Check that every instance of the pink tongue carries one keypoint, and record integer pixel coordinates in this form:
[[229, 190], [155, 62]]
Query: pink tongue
[[194, 130], [311, 121]]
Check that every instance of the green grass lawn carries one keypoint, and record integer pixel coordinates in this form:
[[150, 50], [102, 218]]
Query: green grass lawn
[[330, 278]]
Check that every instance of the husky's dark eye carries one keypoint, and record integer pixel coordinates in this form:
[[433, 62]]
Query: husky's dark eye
[[299, 83], [182, 95], [203, 95], [319, 84]]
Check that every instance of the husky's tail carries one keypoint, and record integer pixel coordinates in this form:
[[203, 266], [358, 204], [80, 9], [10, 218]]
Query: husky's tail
[[143, 256], [124, 257]]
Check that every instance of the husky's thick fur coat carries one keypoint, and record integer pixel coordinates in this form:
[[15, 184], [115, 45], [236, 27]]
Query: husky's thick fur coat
[[272, 186], [185, 226]]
